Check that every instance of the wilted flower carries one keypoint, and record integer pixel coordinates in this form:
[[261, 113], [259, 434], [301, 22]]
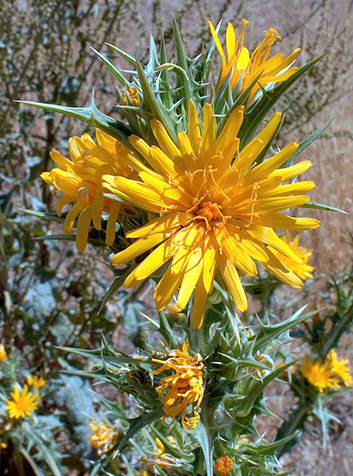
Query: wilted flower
[[214, 212], [184, 387], [223, 465], [80, 182], [243, 68], [104, 436], [3, 354], [303, 270], [22, 403], [36, 382]]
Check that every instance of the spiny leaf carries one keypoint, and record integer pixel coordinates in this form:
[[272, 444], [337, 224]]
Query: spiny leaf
[[321, 206], [122, 53], [153, 107], [270, 332], [205, 439], [306, 142], [89, 115], [43, 215], [120, 77], [136, 424]]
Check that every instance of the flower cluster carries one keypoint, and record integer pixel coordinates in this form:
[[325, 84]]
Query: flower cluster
[[212, 202]]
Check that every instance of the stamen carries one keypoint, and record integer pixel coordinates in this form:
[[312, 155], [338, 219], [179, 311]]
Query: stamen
[[262, 52]]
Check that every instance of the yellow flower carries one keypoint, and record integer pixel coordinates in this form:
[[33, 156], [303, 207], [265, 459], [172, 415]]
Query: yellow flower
[[223, 465], [303, 270], [184, 387], [80, 182], [36, 382], [214, 212], [104, 436], [243, 68], [319, 374], [3, 354], [22, 403], [340, 368]]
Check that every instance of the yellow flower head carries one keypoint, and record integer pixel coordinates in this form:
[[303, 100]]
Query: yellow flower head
[[215, 212], [22, 403], [319, 374], [245, 68], [223, 465], [185, 386], [36, 382], [340, 368], [303, 270], [80, 182], [3, 354], [104, 437]]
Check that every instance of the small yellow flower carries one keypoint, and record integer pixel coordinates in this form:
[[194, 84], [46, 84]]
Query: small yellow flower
[[184, 387], [22, 403], [340, 368], [243, 68], [303, 270], [319, 374], [223, 465], [242, 441], [36, 382], [3, 354], [104, 437], [80, 182]]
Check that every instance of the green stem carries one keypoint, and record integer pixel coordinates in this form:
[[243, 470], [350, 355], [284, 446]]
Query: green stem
[[296, 420], [336, 333]]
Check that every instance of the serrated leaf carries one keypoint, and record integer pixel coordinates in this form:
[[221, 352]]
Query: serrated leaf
[[271, 332], [89, 115], [255, 390]]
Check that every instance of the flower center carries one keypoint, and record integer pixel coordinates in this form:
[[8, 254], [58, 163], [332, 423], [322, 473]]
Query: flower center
[[210, 212]]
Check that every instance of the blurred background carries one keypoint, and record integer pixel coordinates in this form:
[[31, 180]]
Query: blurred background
[[49, 294]]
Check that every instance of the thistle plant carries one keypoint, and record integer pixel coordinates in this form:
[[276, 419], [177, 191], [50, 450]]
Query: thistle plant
[[192, 174]]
